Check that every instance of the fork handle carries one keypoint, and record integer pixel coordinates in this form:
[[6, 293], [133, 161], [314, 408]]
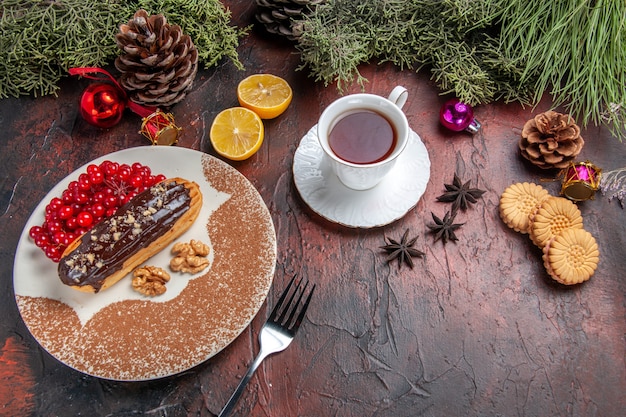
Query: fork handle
[[230, 405]]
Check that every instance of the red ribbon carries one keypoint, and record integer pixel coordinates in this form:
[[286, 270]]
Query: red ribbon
[[88, 72]]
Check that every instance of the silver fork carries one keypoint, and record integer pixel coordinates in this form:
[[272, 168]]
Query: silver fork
[[277, 333]]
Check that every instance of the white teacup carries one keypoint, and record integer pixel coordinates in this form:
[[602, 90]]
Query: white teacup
[[365, 175]]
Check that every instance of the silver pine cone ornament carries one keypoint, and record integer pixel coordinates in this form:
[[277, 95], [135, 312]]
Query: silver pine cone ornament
[[158, 63], [281, 17]]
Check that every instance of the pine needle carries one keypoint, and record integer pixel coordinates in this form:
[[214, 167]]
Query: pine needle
[[574, 49]]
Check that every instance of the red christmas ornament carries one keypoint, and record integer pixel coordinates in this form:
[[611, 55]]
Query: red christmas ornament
[[457, 116], [102, 105]]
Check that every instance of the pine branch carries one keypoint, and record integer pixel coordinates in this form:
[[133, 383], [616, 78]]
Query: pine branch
[[41, 40], [483, 51]]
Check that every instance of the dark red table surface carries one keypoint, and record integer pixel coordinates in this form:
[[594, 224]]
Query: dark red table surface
[[475, 328]]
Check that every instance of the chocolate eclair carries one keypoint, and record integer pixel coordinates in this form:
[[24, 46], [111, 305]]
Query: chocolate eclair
[[138, 230]]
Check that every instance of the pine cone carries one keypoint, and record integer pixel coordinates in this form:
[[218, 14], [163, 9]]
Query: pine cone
[[158, 63], [551, 140], [280, 17]]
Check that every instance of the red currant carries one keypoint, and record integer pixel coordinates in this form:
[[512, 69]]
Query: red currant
[[43, 240], [97, 210], [80, 231], [84, 219], [48, 217], [59, 238], [83, 182], [35, 231], [110, 201], [136, 167], [95, 194], [67, 196], [81, 197], [54, 253], [73, 186], [129, 196], [98, 197], [65, 212], [136, 180], [124, 172], [96, 177], [71, 223], [93, 168], [54, 226], [111, 168], [54, 204], [149, 181], [76, 208]]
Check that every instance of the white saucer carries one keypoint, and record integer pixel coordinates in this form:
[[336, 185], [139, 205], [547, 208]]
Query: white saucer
[[388, 201]]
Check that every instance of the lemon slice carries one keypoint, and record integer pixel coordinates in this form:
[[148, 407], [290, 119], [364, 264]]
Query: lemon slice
[[237, 133], [267, 95]]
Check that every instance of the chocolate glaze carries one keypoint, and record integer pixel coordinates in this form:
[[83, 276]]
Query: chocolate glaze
[[104, 249]]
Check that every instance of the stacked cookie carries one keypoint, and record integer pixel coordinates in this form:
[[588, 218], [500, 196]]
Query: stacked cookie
[[554, 224]]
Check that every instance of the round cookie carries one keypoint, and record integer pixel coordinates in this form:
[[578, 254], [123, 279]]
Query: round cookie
[[518, 202], [571, 257], [553, 215]]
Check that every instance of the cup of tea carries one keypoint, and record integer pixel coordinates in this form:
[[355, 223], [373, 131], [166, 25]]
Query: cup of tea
[[362, 136]]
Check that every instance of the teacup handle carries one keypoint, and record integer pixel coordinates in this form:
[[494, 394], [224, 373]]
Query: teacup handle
[[398, 96]]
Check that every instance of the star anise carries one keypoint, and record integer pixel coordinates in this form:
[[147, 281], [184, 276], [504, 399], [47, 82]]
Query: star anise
[[403, 251], [460, 194], [444, 229]]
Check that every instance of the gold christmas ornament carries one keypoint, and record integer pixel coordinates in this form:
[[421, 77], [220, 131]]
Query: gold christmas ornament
[[551, 140], [160, 128], [581, 180], [158, 62]]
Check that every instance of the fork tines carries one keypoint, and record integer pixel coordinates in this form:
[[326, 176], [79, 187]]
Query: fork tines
[[284, 314]]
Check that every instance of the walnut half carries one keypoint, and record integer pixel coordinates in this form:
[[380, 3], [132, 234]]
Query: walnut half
[[150, 280], [190, 257]]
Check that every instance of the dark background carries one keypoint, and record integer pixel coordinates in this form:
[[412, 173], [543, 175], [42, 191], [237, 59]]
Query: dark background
[[476, 328]]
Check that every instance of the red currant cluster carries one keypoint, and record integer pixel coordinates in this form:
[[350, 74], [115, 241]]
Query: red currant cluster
[[95, 195]]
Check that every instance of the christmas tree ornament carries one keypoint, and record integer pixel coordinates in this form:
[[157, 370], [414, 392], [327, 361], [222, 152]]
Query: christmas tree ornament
[[457, 116], [581, 180], [98, 99], [102, 105], [158, 62], [160, 129], [157, 126]]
